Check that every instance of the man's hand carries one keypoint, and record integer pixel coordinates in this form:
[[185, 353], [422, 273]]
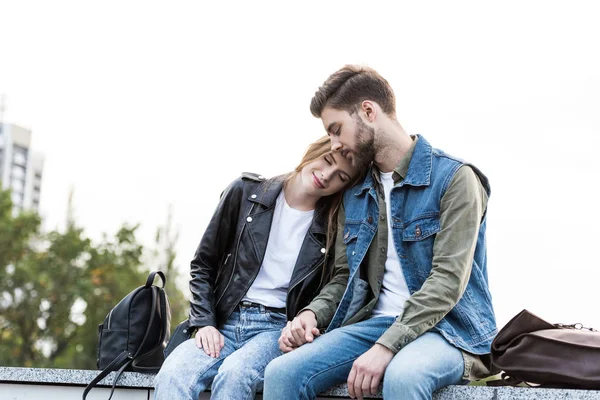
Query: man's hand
[[367, 371], [303, 329], [211, 340]]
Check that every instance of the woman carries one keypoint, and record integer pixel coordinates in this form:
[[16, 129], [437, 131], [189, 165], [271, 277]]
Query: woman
[[260, 261]]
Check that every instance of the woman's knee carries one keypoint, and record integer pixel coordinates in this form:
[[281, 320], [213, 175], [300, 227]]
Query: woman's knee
[[231, 371], [186, 362]]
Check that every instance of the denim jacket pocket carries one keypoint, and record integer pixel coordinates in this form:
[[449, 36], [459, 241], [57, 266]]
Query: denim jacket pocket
[[421, 228], [351, 232]]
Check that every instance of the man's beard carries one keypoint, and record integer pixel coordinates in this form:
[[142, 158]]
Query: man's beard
[[365, 144]]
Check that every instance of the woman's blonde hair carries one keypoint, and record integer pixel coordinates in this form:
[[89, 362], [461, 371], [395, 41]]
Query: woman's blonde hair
[[331, 203]]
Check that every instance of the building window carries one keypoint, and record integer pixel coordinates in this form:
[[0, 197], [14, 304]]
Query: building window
[[18, 185], [17, 199], [20, 155], [18, 172]]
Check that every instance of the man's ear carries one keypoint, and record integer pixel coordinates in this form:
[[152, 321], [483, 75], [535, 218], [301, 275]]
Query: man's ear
[[369, 109]]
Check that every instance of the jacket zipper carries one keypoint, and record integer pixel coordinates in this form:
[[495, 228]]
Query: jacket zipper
[[237, 248], [301, 280], [221, 269]]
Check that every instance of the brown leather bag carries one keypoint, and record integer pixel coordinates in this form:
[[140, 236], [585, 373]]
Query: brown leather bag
[[529, 349]]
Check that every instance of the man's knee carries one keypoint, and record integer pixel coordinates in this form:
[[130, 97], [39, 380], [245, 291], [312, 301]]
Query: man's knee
[[402, 379], [278, 370]]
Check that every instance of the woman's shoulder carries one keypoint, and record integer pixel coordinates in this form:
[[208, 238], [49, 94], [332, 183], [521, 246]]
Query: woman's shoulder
[[251, 176], [245, 180]]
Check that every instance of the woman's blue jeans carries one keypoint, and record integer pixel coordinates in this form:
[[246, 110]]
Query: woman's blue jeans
[[250, 344]]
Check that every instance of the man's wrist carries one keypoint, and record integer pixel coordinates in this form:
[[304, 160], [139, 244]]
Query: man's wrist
[[308, 311], [384, 349]]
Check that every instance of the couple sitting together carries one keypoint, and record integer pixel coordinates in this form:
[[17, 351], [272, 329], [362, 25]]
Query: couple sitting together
[[365, 265]]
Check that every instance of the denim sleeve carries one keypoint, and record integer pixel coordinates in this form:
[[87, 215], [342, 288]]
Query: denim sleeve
[[328, 299], [461, 210]]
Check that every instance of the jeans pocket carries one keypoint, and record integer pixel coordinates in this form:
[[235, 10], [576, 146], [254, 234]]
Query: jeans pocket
[[278, 318]]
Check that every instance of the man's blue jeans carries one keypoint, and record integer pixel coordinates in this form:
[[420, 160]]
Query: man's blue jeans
[[250, 343], [420, 368]]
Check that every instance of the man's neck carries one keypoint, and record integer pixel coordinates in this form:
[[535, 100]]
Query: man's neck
[[391, 145]]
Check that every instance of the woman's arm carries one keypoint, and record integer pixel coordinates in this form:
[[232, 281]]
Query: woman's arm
[[218, 236]]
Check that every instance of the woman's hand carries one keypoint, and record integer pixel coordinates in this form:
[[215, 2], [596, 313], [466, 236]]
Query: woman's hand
[[211, 340], [303, 329]]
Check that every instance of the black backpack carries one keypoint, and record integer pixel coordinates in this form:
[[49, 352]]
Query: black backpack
[[134, 333]]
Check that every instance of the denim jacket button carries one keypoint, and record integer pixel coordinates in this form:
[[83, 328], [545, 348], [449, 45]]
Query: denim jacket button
[[249, 219], [253, 196], [323, 250]]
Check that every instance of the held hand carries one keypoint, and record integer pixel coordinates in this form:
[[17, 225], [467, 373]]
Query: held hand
[[367, 371], [211, 340], [303, 329], [284, 343]]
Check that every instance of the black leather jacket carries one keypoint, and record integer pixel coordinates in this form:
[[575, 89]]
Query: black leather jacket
[[233, 246]]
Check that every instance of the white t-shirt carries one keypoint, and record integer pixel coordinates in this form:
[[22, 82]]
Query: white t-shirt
[[394, 291], [288, 230]]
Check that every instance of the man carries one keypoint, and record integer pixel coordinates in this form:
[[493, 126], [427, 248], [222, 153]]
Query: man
[[409, 302]]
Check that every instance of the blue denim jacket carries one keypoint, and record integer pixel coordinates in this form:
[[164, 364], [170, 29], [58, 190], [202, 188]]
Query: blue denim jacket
[[415, 209]]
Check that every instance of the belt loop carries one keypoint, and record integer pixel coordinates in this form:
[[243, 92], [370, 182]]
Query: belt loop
[[262, 308]]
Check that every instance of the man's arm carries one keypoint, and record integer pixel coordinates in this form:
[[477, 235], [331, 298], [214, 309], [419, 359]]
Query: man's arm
[[462, 209], [328, 299]]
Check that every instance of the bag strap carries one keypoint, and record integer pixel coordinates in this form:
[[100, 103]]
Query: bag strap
[[508, 380], [154, 289], [138, 358], [113, 366], [112, 389], [151, 277]]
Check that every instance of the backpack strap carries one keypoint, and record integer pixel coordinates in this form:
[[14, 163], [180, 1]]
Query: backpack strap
[[125, 356], [112, 389], [151, 277], [138, 358], [154, 289]]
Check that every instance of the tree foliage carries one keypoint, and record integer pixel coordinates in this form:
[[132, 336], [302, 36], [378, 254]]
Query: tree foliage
[[56, 287]]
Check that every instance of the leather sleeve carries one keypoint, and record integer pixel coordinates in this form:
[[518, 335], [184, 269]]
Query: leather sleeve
[[217, 238]]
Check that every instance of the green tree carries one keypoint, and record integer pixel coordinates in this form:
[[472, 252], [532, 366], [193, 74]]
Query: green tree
[[16, 234], [113, 269], [57, 287]]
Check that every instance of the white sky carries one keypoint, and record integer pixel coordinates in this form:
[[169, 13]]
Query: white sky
[[139, 105]]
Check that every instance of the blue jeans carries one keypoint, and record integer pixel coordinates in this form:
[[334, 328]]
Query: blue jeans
[[250, 343], [420, 368]]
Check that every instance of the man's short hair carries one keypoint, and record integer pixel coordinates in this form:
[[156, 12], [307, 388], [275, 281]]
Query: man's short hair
[[348, 87]]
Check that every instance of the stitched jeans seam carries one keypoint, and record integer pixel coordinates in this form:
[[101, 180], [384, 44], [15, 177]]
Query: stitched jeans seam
[[305, 385]]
